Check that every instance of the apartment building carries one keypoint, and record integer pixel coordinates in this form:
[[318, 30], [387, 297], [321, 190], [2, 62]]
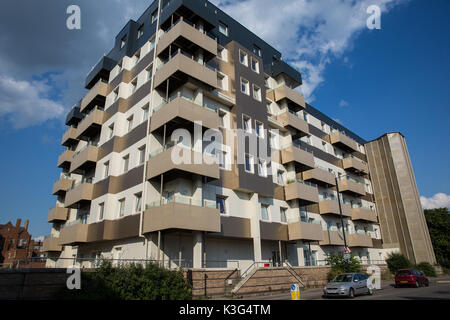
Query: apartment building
[[181, 78]]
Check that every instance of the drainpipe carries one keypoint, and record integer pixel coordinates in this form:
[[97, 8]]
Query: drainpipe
[[342, 220], [148, 141]]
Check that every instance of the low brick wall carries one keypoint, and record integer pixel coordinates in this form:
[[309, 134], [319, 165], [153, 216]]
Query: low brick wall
[[213, 280], [31, 284]]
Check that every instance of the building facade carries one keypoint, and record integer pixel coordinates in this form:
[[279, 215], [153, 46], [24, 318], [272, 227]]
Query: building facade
[[402, 220], [182, 78], [17, 246]]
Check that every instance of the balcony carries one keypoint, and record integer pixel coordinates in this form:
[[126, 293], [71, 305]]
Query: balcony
[[364, 214], [79, 194], [355, 165], [294, 98], [359, 240], [74, 115], [273, 231], [319, 176], [51, 244], [106, 230], [180, 67], [332, 238], [352, 187], [342, 141], [69, 137], [57, 214], [183, 213], [302, 157], [161, 162], [61, 186], [291, 119], [377, 243], [74, 234], [181, 109], [95, 97], [84, 159], [99, 71], [65, 158], [332, 207], [185, 34], [91, 124], [305, 231], [306, 192]]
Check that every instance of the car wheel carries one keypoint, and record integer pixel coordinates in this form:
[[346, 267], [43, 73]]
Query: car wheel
[[417, 284], [351, 293]]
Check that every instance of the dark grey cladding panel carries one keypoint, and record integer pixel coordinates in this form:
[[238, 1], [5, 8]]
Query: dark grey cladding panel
[[100, 70], [325, 156], [256, 110], [319, 115], [279, 66], [74, 116]]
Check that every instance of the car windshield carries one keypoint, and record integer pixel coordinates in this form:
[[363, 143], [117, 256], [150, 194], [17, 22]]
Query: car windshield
[[403, 272], [343, 278]]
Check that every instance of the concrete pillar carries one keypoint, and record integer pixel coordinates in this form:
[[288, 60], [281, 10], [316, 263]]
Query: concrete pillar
[[300, 257], [197, 249], [255, 211]]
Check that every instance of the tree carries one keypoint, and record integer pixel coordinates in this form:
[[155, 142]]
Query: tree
[[339, 265], [396, 261], [438, 221]]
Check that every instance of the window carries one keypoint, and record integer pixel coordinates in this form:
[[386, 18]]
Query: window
[[138, 202], [223, 28], [133, 85], [106, 170], [305, 116], [283, 212], [220, 204], [111, 131], [126, 161], [255, 65], [137, 56], [222, 81], [265, 212], [243, 58], [116, 94], [145, 110], [280, 177], [245, 87], [249, 163], [141, 158], [246, 124], [121, 207], [101, 211], [259, 129], [149, 71], [123, 42], [140, 31], [262, 168], [222, 159], [222, 116], [256, 93], [129, 123], [222, 54], [269, 108], [154, 16], [257, 50]]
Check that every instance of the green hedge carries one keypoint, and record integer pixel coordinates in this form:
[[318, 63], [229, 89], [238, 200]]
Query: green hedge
[[130, 282], [427, 269], [339, 265], [397, 261]]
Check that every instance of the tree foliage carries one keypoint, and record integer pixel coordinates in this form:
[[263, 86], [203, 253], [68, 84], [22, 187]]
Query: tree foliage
[[438, 221], [130, 282], [339, 265], [396, 261]]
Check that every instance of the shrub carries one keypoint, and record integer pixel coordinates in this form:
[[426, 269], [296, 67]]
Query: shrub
[[130, 282], [397, 261], [339, 265], [427, 269]]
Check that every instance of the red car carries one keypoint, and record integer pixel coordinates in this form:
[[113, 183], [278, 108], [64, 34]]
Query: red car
[[408, 277]]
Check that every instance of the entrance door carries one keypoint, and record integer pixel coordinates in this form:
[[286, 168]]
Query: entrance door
[[276, 258]]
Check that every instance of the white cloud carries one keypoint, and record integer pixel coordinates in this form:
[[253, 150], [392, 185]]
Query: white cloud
[[25, 103], [439, 200], [343, 103], [308, 33]]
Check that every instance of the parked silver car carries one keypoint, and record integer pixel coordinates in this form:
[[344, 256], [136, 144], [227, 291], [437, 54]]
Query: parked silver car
[[348, 285]]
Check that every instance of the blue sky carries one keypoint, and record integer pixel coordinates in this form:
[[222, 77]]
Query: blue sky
[[372, 81]]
